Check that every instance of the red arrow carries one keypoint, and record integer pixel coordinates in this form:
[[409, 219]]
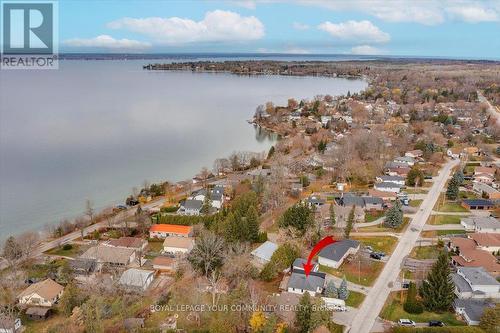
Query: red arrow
[[318, 247]]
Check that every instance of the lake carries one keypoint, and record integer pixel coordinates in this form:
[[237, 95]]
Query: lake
[[95, 129]]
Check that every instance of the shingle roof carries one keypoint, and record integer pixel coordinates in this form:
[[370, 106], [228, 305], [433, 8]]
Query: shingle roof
[[338, 249], [179, 242], [265, 251], [478, 276], [298, 280], [478, 202], [48, 289], [131, 242], [486, 239], [387, 185], [134, 277], [193, 204], [473, 308], [483, 222], [109, 254]]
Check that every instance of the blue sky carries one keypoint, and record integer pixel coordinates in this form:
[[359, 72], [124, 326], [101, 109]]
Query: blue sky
[[461, 28]]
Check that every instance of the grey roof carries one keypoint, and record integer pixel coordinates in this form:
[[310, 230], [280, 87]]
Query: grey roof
[[483, 222], [350, 199], [298, 280], [404, 159], [391, 178], [373, 200], [478, 276], [265, 251], [193, 204], [472, 307], [109, 254], [478, 202], [315, 200], [134, 277], [387, 185], [300, 261], [338, 249], [393, 164], [460, 283]]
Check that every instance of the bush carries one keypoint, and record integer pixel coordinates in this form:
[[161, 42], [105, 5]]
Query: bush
[[262, 237], [414, 307], [67, 247]]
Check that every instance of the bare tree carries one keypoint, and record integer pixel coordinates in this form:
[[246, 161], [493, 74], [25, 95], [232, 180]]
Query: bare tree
[[28, 241], [89, 210]]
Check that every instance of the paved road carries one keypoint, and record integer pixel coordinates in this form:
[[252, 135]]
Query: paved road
[[378, 294], [491, 109]]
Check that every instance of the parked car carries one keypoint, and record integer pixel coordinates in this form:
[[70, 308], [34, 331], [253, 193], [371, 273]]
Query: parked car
[[405, 285], [375, 255], [436, 323], [406, 323]]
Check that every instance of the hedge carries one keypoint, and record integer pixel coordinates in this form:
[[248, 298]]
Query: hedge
[[451, 329], [184, 219]]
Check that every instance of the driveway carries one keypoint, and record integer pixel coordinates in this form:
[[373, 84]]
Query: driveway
[[378, 294]]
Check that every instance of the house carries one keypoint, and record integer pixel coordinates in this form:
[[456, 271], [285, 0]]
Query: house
[[475, 282], [414, 153], [82, 266], [384, 195], [468, 255], [410, 161], [299, 264], [485, 189], [10, 325], [373, 203], [176, 244], [165, 230], [397, 171], [484, 170], [483, 178], [481, 224], [314, 201], [44, 293], [334, 254], [38, 313], [216, 195], [396, 165], [264, 252], [137, 278], [365, 202], [299, 283], [134, 243], [191, 207], [325, 120], [391, 179], [108, 255], [471, 309], [162, 263], [478, 204], [294, 116], [487, 241], [342, 213], [387, 187]]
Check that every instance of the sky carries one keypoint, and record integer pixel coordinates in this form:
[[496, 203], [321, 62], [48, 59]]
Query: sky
[[434, 28]]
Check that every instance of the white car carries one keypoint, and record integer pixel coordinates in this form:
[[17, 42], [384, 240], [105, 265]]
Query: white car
[[406, 323]]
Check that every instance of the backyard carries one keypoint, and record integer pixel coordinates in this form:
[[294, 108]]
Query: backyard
[[383, 243], [357, 272]]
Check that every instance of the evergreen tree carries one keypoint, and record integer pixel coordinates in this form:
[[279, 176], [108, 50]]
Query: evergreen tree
[[452, 190], [412, 305], [304, 313], [299, 216], [343, 292], [350, 223], [490, 320], [331, 290], [333, 221], [437, 289], [252, 224], [394, 216], [207, 204]]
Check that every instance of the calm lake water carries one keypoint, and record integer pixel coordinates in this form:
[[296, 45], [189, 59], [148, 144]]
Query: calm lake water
[[96, 129]]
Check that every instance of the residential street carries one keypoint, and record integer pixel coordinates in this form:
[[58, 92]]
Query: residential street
[[374, 302]]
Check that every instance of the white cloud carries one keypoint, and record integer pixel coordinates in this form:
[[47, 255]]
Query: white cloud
[[359, 31], [366, 50], [248, 4], [216, 26], [108, 42], [300, 26], [474, 14]]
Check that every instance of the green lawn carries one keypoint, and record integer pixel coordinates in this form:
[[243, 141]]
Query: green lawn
[[372, 216], [382, 228], [364, 274], [450, 207], [73, 252], [355, 299], [425, 252], [449, 232], [416, 203], [379, 243], [444, 219], [393, 311], [467, 195], [416, 190]]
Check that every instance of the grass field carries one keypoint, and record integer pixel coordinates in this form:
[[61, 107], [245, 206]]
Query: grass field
[[73, 252], [416, 190], [355, 299], [372, 216], [382, 228], [449, 206], [425, 252], [393, 311], [364, 274], [444, 219], [436, 233], [379, 243]]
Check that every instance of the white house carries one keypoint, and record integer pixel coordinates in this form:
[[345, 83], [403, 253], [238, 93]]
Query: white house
[[137, 278], [391, 179], [481, 224], [387, 187], [471, 309], [334, 254], [176, 244], [475, 282], [299, 283], [44, 293]]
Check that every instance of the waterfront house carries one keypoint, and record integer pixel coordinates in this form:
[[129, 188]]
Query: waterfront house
[[299, 283], [263, 253], [191, 207], [44, 293], [334, 254], [108, 255], [475, 282], [471, 309], [137, 278], [176, 244], [481, 224], [165, 230]]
